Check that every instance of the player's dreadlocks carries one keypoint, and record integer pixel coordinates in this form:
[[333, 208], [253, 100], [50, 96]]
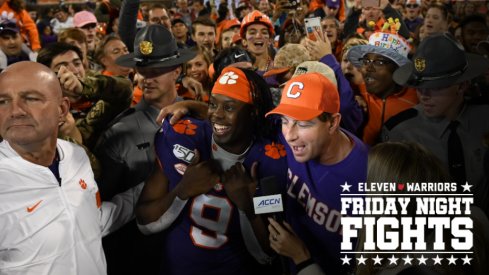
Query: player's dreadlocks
[[262, 104]]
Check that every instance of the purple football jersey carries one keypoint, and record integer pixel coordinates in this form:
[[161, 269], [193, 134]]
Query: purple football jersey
[[206, 237]]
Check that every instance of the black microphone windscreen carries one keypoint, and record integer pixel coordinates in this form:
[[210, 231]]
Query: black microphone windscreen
[[269, 186]]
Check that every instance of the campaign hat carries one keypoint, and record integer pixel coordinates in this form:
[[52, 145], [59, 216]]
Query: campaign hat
[[155, 47], [435, 68]]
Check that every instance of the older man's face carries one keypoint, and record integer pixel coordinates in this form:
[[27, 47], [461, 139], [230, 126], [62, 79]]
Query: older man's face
[[30, 113]]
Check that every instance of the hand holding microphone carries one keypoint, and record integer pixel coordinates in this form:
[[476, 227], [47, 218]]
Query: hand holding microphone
[[286, 243], [271, 202]]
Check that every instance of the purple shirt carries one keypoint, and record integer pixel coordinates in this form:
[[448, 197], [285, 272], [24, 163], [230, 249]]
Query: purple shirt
[[206, 237], [313, 202]]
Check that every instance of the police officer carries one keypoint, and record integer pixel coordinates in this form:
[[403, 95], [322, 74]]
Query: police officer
[[444, 122], [125, 150]]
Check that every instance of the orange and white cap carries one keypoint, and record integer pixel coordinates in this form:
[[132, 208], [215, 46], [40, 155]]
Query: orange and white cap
[[256, 17], [233, 83], [306, 96]]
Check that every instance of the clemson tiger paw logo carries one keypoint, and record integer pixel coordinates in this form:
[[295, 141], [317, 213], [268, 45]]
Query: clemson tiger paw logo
[[228, 78], [83, 184], [275, 150], [185, 127]]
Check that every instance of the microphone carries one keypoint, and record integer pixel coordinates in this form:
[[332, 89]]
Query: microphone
[[271, 202]]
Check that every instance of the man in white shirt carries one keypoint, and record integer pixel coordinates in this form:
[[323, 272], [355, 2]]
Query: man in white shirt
[[62, 19], [51, 214]]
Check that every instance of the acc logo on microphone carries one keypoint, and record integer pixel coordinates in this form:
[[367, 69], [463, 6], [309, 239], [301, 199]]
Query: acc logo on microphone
[[268, 204]]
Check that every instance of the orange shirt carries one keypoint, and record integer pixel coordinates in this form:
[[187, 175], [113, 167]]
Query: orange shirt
[[107, 73], [137, 94], [380, 110], [28, 28]]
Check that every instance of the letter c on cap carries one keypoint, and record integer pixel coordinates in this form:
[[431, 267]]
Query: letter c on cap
[[296, 94]]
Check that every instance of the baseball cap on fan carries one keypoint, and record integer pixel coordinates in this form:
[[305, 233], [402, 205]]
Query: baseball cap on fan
[[83, 18], [288, 57], [7, 26]]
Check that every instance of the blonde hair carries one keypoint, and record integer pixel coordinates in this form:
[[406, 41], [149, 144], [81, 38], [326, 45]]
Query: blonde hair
[[401, 162], [404, 162], [353, 41]]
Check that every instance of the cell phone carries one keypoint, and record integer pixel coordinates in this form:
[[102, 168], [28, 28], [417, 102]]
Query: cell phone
[[370, 3], [312, 24]]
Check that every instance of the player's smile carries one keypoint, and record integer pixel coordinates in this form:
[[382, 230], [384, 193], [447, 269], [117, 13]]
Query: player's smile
[[230, 120]]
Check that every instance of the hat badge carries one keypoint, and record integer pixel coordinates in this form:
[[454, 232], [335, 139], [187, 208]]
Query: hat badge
[[419, 64], [145, 47]]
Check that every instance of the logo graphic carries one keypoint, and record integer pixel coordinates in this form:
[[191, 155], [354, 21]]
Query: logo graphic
[[275, 150], [145, 47], [183, 153], [83, 184], [228, 78], [180, 168], [268, 204], [236, 56], [185, 127], [406, 223], [32, 208], [295, 94], [419, 64]]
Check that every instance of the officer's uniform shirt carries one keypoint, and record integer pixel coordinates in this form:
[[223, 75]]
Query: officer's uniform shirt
[[413, 125]]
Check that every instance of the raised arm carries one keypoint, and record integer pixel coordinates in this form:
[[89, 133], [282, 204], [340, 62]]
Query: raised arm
[[179, 109], [127, 22], [158, 207]]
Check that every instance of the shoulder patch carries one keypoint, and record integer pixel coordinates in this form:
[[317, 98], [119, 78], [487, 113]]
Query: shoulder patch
[[185, 127], [275, 150], [402, 116]]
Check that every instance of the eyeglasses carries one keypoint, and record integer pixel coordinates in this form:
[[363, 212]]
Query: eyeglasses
[[412, 6], [377, 63]]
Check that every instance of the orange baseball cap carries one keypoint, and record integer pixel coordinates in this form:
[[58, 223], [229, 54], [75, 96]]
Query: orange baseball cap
[[228, 24], [233, 83], [306, 96]]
